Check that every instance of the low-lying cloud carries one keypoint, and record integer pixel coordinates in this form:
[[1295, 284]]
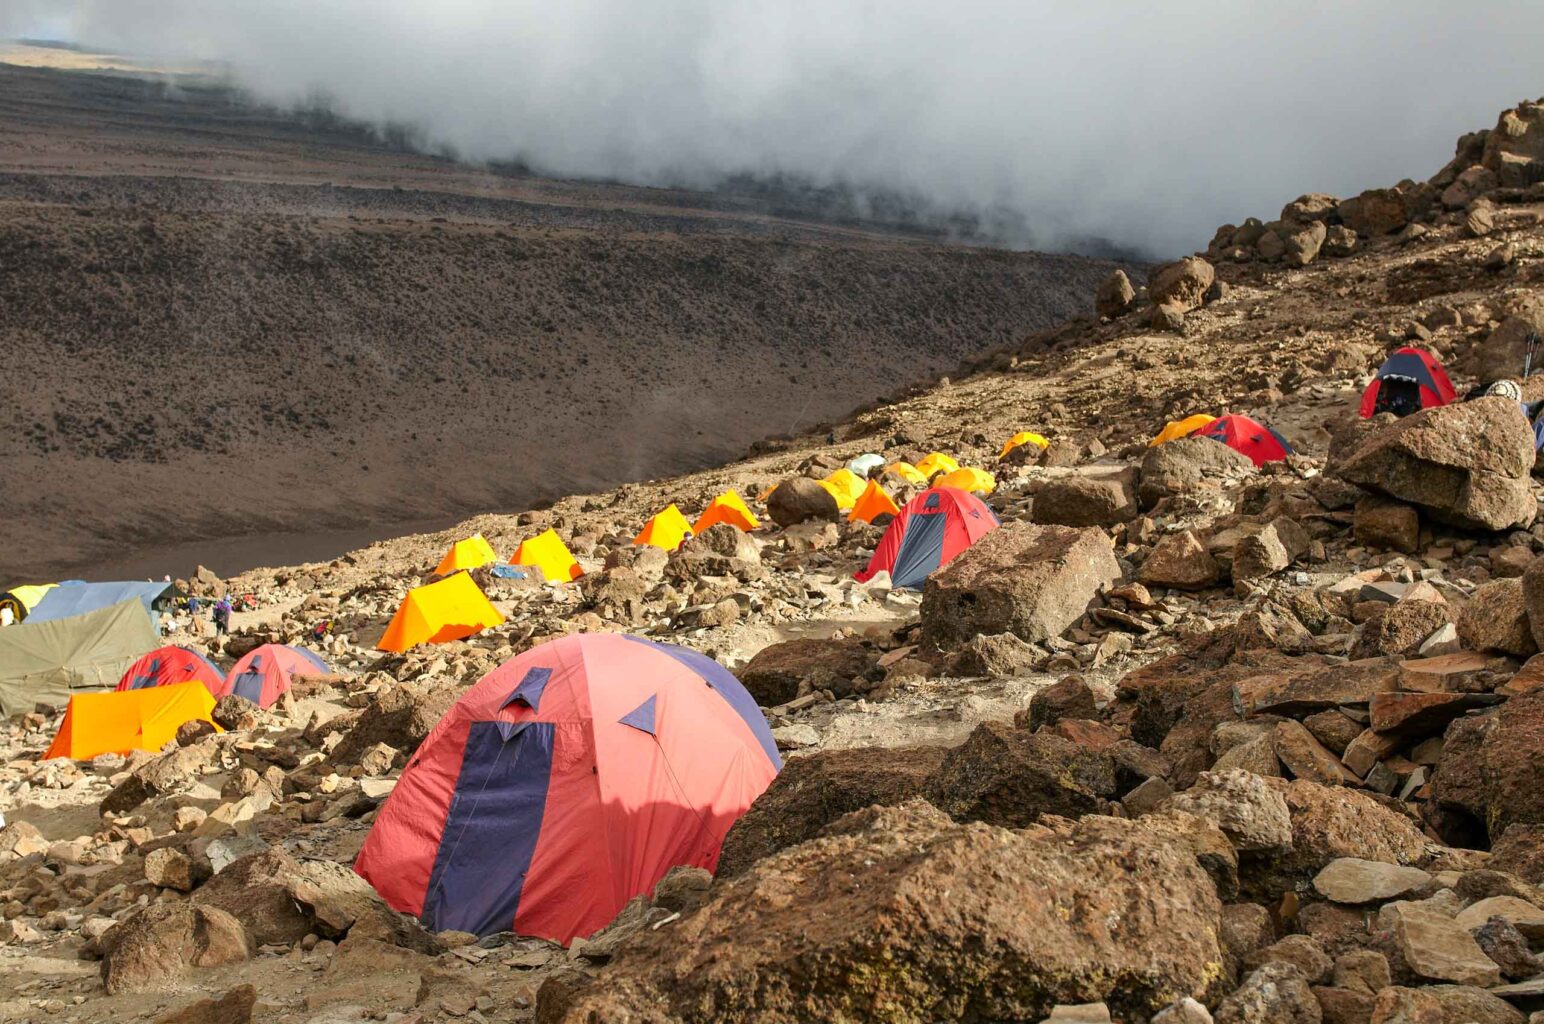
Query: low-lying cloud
[[1146, 125]]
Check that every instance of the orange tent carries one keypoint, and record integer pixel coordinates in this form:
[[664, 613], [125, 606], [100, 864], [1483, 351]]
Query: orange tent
[[977, 481], [873, 503], [729, 508], [666, 530], [1021, 438], [1176, 429], [547, 552], [472, 553], [450, 609], [119, 721]]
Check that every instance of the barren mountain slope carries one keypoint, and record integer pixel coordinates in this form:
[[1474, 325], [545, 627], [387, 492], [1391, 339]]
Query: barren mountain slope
[[290, 326]]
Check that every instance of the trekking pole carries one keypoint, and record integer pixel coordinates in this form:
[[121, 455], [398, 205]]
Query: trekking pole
[[1533, 344]]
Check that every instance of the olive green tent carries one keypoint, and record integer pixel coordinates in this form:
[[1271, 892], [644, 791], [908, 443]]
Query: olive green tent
[[44, 662]]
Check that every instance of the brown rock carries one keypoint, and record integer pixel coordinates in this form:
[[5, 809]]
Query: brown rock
[[1069, 697], [1251, 814], [153, 948], [1086, 501], [1466, 464], [1436, 947], [1188, 465], [170, 869], [1422, 714], [813, 791], [780, 672], [1378, 211], [1003, 946], [1271, 549], [1302, 244], [1182, 284], [1533, 601], [1400, 628], [1301, 951], [1496, 619], [1305, 757], [234, 1007], [1397, 1005], [1275, 994], [799, 499], [1115, 296], [1383, 523], [1008, 777], [1180, 561], [1352, 880], [1033, 581]]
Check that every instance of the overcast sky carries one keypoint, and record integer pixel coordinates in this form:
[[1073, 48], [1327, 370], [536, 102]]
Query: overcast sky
[[1145, 124]]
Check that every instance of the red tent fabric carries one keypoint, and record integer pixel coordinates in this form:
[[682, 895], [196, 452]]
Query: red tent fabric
[[566, 782], [1244, 435], [1411, 364], [264, 674], [168, 666], [931, 530]]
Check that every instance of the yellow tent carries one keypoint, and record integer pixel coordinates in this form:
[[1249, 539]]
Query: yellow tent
[[906, 472], [1021, 438], [472, 553], [729, 508], [977, 480], [873, 503], [120, 721], [449, 609], [845, 486], [23, 599], [547, 552], [666, 530], [936, 462], [1177, 429]]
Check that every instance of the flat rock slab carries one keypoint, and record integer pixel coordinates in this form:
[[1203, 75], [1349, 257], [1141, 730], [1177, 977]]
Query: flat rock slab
[[1353, 880], [1438, 948], [1302, 693], [1519, 913], [1423, 714]]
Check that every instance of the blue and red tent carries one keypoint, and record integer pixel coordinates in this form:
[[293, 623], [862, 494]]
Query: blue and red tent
[[1408, 381], [264, 674], [1247, 437], [931, 530], [566, 782], [168, 666]]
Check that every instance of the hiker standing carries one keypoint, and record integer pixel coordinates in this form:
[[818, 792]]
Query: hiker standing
[[222, 617]]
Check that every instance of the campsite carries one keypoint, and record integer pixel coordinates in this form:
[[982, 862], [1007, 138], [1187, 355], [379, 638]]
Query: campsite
[[1176, 661]]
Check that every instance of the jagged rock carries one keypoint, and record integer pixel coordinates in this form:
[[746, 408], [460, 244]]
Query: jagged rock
[[1519, 850], [1032, 581], [1339, 240], [1305, 757], [1115, 296], [1508, 948], [811, 792], [154, 947], [1251, 814], [1533, 600], [1466, 464], [1496, 619], [1362, 970], [1330, 822], [235, 714], [799, 499], [173, 772], [190, 732], [21, 838], [1275, 994], [1301, 951], [1002, 654], [619, 594], [1187, 465], [170, 869], [1470, 184], [1181, 284], [234, 1007], [1070, 697], [1473, 1005], [1352, 880], [780, 672], [1180, 561], [1437, 948], [1399, 1005], [1183, 1011], [1489, 770], [1514, 149], [1269, 550], [1377, 211], [1480, 220], [1383, 523], [1302, 244], [1422, 714], [1003, 946], [1009, 777], [398, 716], [1519, 913], [1086, 501], [1400, 628]]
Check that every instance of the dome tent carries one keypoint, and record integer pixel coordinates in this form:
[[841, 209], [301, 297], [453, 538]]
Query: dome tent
[[931, 531]]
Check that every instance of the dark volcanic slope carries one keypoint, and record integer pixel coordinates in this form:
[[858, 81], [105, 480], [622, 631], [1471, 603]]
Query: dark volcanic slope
[[218, 320]]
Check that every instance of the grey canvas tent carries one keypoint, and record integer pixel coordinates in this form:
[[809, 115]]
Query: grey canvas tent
[[44, 662]]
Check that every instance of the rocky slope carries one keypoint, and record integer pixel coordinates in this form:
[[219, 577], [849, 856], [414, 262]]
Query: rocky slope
[[299, 328], [1214, 743]]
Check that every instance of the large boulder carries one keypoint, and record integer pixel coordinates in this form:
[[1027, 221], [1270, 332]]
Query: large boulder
[[1010, 777], [811, 792], [799, 499], [1533, 600], [781, 672], [1301, 242], [1378, 211], [1115, 296], [1086, 501], [1329, 823], [1182, 284], [1496, 619], [1033, 581], [398, 716], [1490, 770], [1186, 465], [1252, 814], [153, 948], [905, 913], [720, 550], [1514, 150], [173, 772], [1467, 464], [1180, 561]]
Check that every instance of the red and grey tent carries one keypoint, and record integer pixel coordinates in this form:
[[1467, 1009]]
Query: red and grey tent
[[1244, 435], [168, 666], [264, 674], [931, 530], [566, 782], [1408, 381]]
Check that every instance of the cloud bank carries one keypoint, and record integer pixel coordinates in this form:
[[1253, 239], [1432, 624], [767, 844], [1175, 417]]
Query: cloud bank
[[1146, 125]]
